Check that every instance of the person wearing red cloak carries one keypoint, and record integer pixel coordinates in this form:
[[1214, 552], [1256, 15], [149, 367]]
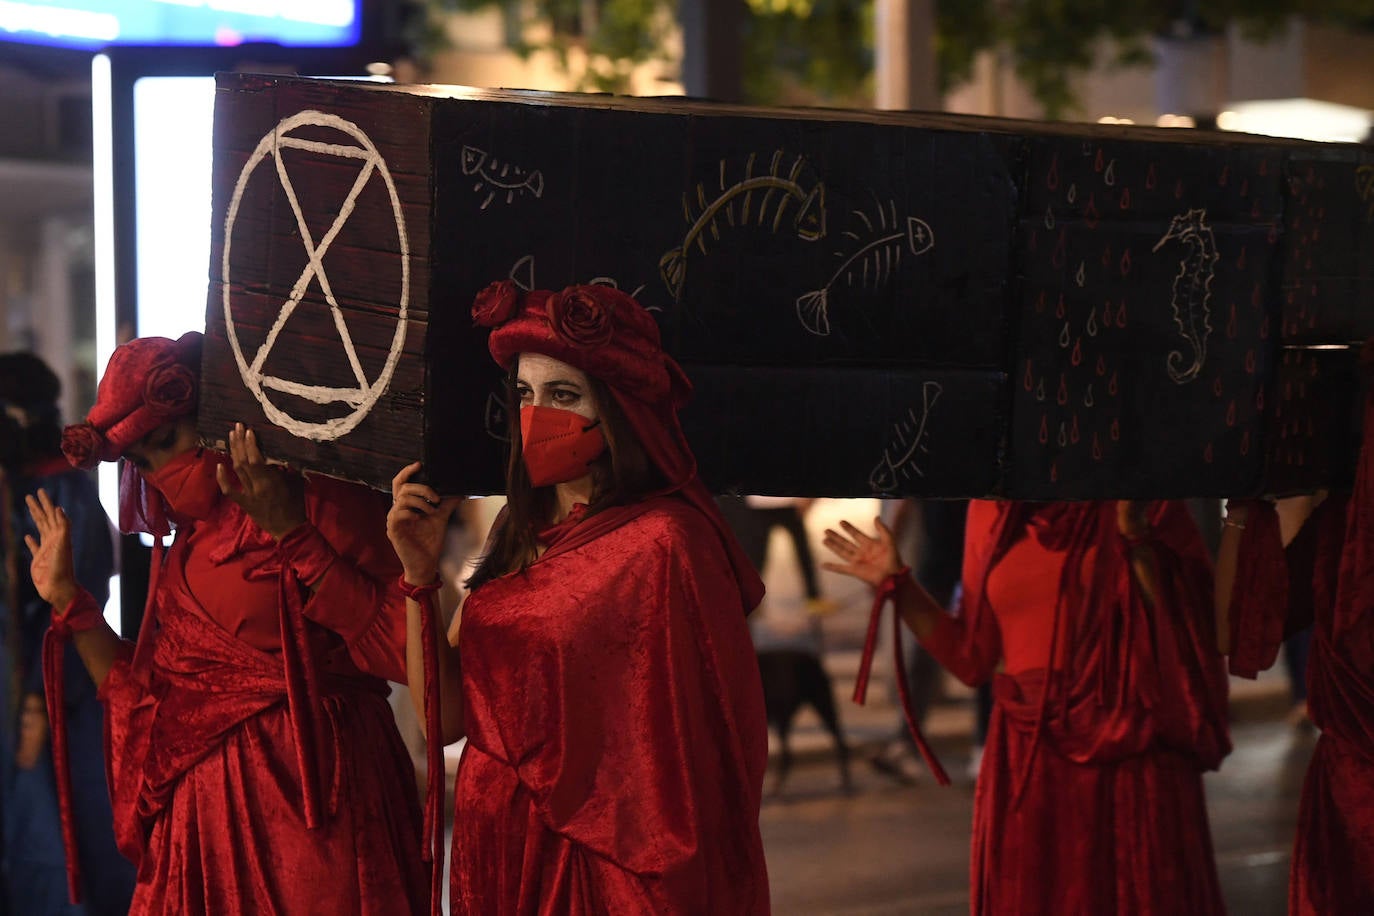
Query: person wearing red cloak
[[601, 667], [253, 761], [1324, 578], [1093, 621]]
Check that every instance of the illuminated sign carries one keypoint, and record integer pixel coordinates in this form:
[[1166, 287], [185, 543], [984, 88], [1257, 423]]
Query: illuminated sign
[[99, 23]]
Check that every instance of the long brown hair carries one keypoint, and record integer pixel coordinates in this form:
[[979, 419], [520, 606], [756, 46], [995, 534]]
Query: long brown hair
[[622, 475]]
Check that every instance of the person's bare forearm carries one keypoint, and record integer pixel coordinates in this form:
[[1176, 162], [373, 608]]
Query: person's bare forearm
[[920, 612], [1228, 554], [447, 675], [99, 648], [1145, 568]]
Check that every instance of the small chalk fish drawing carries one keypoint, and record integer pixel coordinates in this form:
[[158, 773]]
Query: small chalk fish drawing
[[522, 273], [1192, 291], [901, 458], [760, 199], [879, 254], [495, 420], [496, 177], [1364, 188]]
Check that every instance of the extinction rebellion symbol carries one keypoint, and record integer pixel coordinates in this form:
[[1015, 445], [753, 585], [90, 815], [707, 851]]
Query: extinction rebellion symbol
[[364, 396]]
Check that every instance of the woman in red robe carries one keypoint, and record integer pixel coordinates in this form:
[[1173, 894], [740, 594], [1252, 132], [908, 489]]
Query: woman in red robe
[[601, 668], [1093, 621], [1326, 580], [253, 760]]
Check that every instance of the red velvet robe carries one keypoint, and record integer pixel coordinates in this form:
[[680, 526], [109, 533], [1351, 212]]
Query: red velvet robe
[[203, 760], [616, 732], [1333, 857], [1327, 579], [1090, 796]]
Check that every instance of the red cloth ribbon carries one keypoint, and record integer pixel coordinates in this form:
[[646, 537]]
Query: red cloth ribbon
[[305, 557], [433, 851], [80, 615], [888, 589], [1259, 598], [307, 553]]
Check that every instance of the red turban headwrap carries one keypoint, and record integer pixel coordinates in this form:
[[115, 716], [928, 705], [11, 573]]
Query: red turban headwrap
[[148, 382], [611, 337]]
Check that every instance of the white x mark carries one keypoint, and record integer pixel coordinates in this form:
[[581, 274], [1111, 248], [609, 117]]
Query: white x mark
[[314, 269]]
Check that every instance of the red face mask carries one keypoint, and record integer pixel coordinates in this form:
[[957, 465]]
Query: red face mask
[[188, 483], [558, 445]]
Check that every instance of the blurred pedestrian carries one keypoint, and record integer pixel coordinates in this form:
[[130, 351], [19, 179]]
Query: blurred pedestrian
[[35, 863], [790, 644]]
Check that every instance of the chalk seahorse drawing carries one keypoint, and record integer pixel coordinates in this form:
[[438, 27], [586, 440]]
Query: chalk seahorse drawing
[[901, 458], [495, 177], [878, 255], [1192, 291], [760, 199]]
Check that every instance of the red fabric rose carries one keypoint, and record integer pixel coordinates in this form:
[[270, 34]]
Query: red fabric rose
[[581, 317], [170, 391], [82, 444], [495, 304]]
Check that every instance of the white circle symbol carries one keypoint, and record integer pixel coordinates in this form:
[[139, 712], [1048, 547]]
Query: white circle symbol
[[365, 395]]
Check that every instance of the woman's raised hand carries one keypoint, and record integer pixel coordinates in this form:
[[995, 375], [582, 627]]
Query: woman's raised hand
[[416, 525], [273, 497], [51, 569], [872, 559]]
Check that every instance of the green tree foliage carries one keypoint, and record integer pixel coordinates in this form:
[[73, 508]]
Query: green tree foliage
[[1049, 42], [821, 51]]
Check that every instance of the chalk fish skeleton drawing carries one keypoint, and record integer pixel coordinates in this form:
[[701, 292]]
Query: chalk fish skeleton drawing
[[1192, 291], [496, 177], [878, 255], [900, 459], [762, 199]]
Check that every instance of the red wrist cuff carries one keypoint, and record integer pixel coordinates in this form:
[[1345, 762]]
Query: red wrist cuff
[[307, 553], [418, 592], [83, 613], [888, 587]]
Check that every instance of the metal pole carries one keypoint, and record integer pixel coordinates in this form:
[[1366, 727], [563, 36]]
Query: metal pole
[[904, 55], [712, 49]]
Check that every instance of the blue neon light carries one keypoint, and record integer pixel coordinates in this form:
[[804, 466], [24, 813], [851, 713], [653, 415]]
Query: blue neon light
[[101, 23]]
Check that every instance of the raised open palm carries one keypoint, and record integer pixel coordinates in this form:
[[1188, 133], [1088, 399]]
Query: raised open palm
[[52, 571], [872, 559]]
